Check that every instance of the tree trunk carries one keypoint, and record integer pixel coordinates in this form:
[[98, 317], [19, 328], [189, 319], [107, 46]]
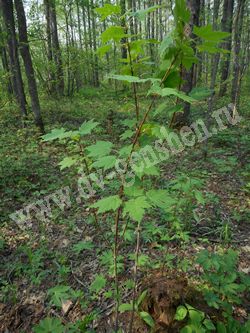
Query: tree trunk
[[29, 70], [123, 24], [54, 51], [6, 67], [199, 67], [86, 45], [237, 49], [187, 75], [16, 76], [51, 73], [215, 58], [95, 58], [226, 25]]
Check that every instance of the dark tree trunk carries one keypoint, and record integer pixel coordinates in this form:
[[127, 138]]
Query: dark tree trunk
[[54, 51], [123, 23], [237, 49], [6, 68], [86, 45], [51, 73], [95, 58], [199, 68], [187, 75], [29, 70], [16, 76], [215, 58], [90, 40], [226, 25]]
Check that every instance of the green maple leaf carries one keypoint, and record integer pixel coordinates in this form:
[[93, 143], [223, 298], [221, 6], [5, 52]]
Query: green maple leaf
[[100, 148], [57, 133], [136, 208], [114, 32], [67, 162], [87, 127], [207, 33], [127, 134], [83, 245], [108, 10], [49, 325], [133, 191], [107, 204], [98, 284], [106, 162], [58, 294], [160, 198]]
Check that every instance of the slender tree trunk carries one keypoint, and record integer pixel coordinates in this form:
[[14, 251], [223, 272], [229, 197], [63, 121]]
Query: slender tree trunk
[[56, 52], [96, 70], [107, 54], [131, 21], [68, 70], [79, 26], [160, 21], [199, 67], [237, 49], [187, 75], [215, 58], [6, 67], [90, 39], [29, 70], [123, 24], [51, 73], [214, 69], [16, 76], [227, 23]]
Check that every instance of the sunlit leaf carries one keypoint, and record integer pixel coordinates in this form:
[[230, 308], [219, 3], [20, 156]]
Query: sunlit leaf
[[107, 204]]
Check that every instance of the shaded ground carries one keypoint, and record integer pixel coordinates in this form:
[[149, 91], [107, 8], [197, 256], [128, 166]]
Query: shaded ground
[[34, 261]]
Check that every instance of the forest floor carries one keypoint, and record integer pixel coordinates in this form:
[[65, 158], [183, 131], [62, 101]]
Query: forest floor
[[36, 260]]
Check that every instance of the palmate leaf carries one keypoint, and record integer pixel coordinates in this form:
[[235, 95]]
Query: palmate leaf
[[49, 325], [87, 127], [108, 10], [142, 13], [207, 33], [146, 171], [125, 151], [67, 162], [133, 191], [83, 245], [165, 44], [107, 204], [164, 92], [211, 47], [129, 122], [102, 50], [57, 133], [115, 33], [58, 294], [106, 162], [181, 11], [98, 284], [127, 134], [99, 149], [160, 198], [135, 208]]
